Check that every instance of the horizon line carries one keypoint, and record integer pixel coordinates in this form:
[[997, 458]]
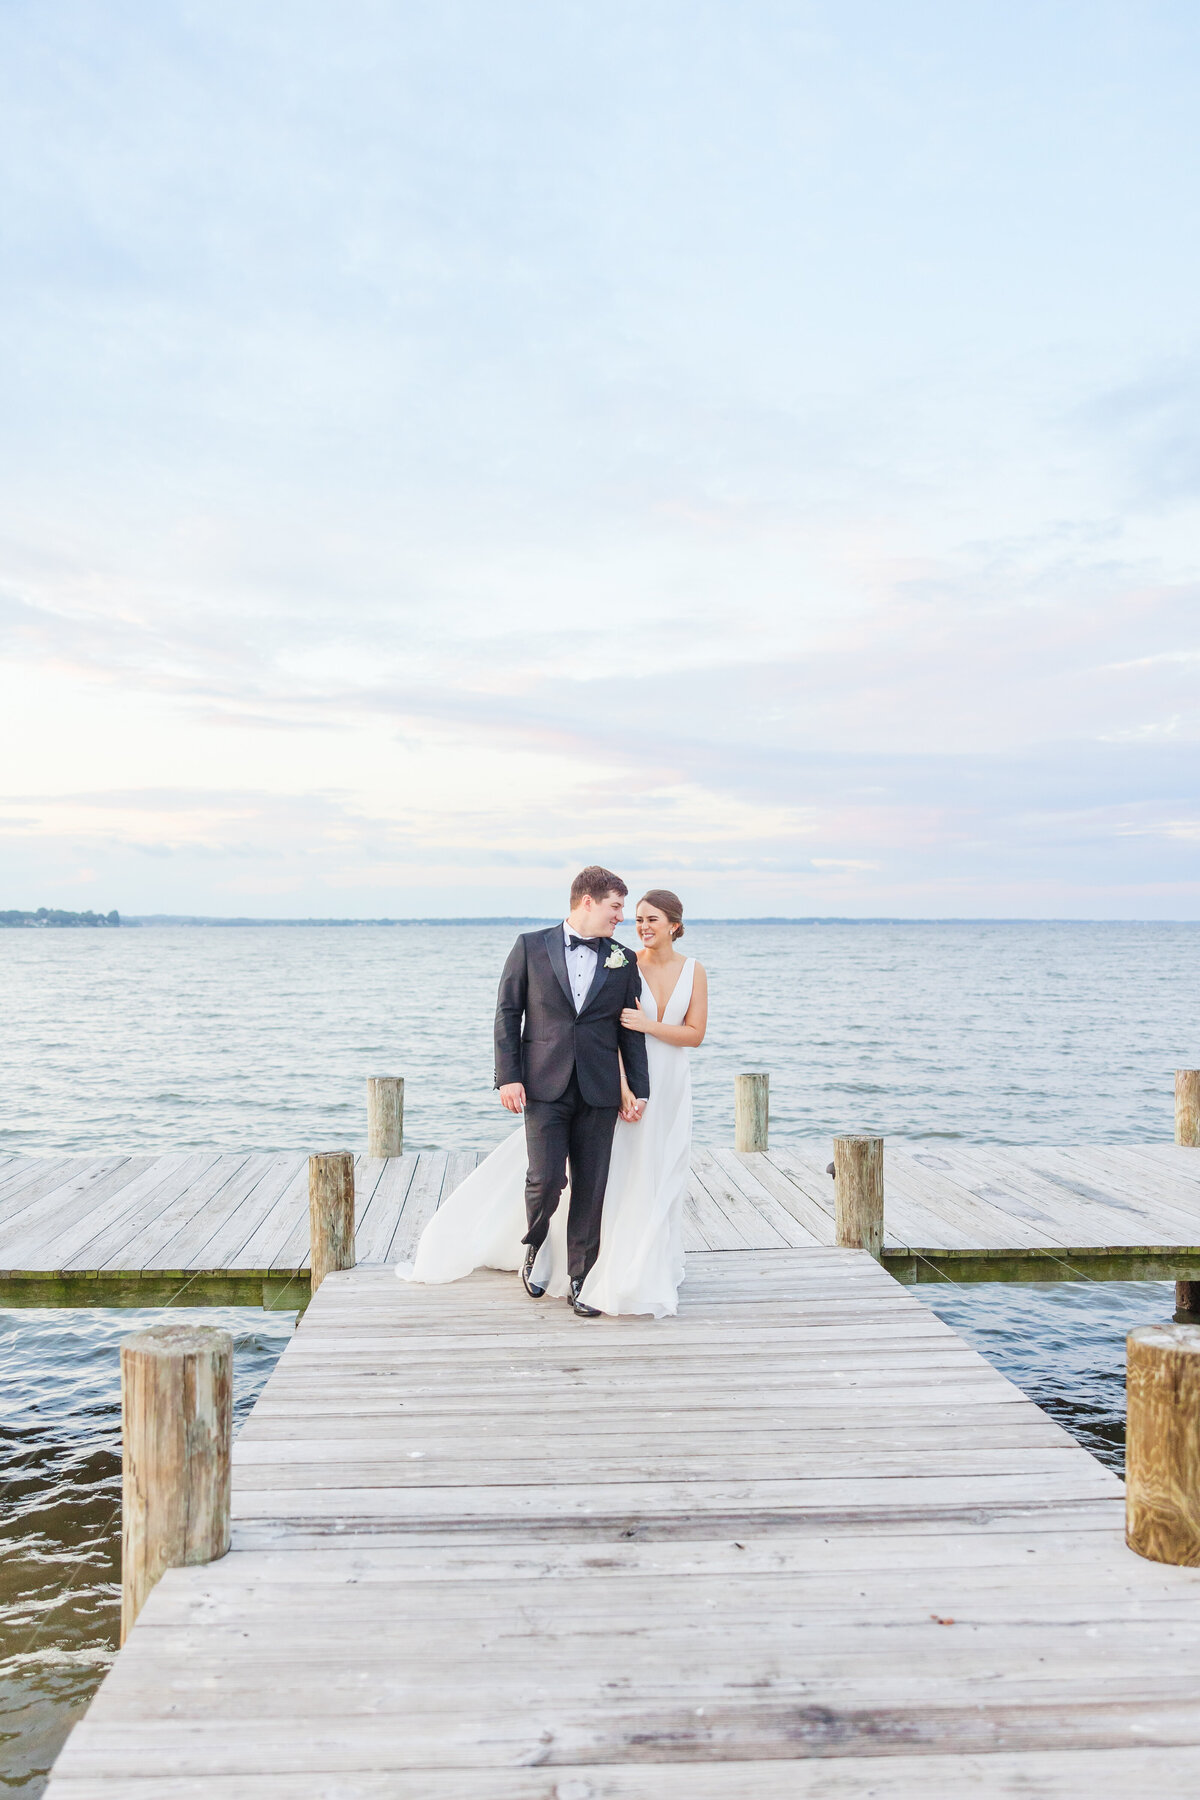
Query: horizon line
[[547, 919]]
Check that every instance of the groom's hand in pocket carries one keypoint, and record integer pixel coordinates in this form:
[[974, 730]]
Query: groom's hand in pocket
[[512, 1096]]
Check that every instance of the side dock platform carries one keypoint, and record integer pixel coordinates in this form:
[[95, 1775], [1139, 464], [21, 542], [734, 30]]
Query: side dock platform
[[232, 1227]]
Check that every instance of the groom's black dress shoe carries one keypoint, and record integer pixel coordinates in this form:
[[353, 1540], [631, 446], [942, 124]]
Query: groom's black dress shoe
[[577, 1305], [527, 1281]]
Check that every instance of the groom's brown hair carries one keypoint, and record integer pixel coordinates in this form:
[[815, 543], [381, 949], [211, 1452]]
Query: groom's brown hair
[[596, 882]]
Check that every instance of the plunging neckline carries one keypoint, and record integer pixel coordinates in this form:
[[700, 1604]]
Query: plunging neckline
[[660, 1011]]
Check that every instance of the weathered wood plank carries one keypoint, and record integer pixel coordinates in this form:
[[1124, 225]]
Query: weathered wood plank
[[753, 1225], [1109, 1774], [74, 1189], [1024, 1179], [800, 1524], [739, 1172], [1108, 1194], [132, 1239], [801, 1533], [55, 1243], [709, 1219], [226, 1246], [1047, 1212], [183, 1228], [27, 1176], [292, 1251], [978, 1220], [421, 1201], [376, 1224], [263, 1248]]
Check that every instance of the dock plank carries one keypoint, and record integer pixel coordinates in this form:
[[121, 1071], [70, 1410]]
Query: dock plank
[[376, 1226], [183, 1227], [420, 1203], [1110, 1774], [36, 1176], [1130, 1218], [994, 1212], [810, 1224], [60, 1241], [743, 1179], [74, 1189], [289, 1252], [135, 1239], [799, 1540], [233, 1228], [1168, 1193], [284, 1222]]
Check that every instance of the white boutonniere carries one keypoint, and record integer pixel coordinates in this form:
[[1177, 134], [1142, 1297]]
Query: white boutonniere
[[616, 958]]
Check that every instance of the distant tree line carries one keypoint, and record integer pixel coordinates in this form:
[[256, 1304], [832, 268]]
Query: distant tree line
[[48, 915]]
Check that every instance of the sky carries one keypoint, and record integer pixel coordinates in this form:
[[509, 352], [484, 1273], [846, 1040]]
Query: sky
[[754, 447]]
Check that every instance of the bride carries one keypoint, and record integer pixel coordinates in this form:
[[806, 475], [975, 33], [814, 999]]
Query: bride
[[640, 1264]]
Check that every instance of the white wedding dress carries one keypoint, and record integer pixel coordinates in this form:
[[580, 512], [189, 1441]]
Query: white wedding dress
[[640, 1265]]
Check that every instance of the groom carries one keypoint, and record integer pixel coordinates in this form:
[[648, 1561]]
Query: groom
[[558, 1030]]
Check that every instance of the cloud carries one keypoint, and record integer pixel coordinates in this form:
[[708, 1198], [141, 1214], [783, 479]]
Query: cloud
[[435, 444], [1149, 426]]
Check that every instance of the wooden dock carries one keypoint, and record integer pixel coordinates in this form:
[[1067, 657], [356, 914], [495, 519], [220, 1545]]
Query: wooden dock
[[800, 1541], [233, 1227]]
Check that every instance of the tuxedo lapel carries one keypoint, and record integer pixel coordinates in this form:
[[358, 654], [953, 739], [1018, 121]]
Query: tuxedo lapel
[[607, 946], [557, 953]]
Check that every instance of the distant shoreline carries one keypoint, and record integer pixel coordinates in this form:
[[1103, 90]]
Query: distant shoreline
[[48, 919]]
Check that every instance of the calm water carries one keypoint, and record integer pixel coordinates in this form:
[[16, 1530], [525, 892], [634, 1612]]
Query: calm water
[[262, 1038]]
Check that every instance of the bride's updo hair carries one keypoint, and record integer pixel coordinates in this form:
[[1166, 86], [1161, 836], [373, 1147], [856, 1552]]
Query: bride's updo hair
[[670, 904]]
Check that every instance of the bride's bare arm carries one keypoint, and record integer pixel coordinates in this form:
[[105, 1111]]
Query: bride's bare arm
[[695, 1020], [630, 1105]]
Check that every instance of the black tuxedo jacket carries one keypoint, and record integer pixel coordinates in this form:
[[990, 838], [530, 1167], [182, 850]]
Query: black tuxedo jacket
[[539, 1036]]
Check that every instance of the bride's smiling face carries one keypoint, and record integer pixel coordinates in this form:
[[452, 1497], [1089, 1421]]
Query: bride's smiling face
[[653, 927]]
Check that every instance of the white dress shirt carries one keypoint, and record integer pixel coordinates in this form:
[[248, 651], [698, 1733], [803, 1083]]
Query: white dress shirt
[[581, 966]]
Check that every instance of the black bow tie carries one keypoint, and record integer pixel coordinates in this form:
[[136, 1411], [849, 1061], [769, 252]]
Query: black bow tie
[[587, 943]]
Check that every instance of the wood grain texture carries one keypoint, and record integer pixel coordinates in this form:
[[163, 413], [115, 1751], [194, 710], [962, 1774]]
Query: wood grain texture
[[385, 1115], [1107, 1774], [974, 1212], [799, 1540], [330, 1213], [1187, 1107], [1162, 1451], [751, 1111], [858, 1192], [176, 1433]]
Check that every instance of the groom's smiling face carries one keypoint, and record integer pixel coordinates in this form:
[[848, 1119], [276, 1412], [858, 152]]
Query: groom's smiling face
[[601, 917]]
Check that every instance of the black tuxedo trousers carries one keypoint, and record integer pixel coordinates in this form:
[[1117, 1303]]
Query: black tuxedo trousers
[[568, 1064], [568, 1135]]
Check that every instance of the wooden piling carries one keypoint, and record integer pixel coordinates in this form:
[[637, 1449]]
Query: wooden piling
[[1187, 1107], [751, 1111], [385, 1115], [177, 1434], [1187, 1300], [1162, 1443], [858, 1192], [330, 1213]]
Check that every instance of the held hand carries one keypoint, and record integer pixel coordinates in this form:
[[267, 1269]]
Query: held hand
[[512, 1096], [633, 1018], [628, 1104], [639, 1107]]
